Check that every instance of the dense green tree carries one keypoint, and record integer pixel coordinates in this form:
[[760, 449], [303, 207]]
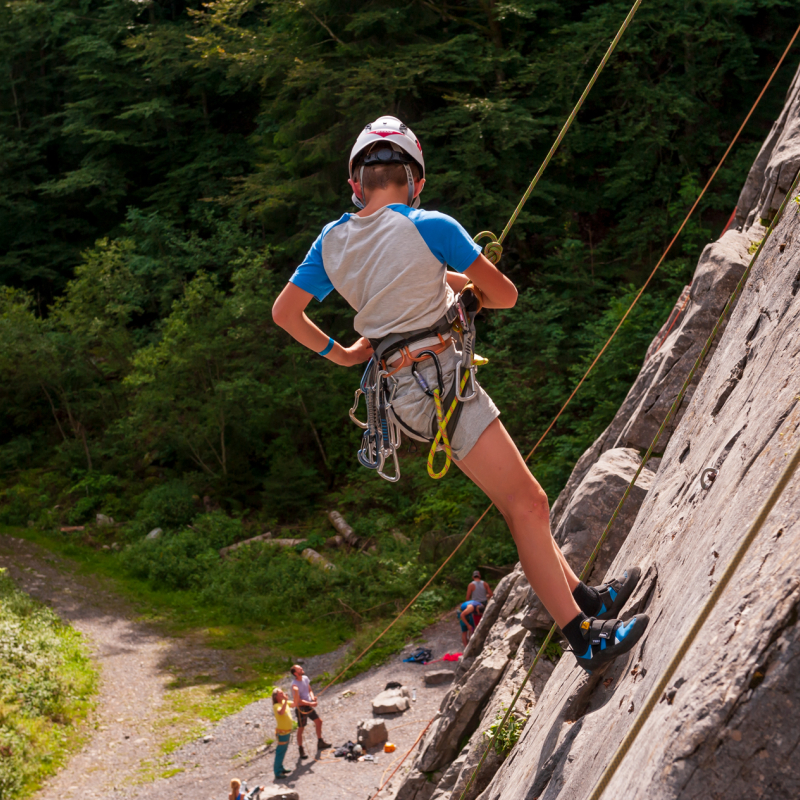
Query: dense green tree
[[165, 165]]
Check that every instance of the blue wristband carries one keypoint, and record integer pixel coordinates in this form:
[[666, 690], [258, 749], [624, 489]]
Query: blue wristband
[[328, 348]]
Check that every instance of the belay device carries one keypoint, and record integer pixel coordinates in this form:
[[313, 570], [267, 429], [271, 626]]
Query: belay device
[[383, 427]]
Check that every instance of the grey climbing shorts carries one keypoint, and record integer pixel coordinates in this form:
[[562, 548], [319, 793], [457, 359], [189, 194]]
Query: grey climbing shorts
[[417, 411]]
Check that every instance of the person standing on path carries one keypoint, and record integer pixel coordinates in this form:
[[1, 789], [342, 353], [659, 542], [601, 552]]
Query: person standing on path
[[283, 731], [479, 592], [305, 707]]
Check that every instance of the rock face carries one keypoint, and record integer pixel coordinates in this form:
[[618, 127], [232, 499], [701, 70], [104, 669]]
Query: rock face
[[727, 727]]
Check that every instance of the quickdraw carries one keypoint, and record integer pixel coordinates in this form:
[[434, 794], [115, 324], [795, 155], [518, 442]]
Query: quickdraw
[[382, 430]]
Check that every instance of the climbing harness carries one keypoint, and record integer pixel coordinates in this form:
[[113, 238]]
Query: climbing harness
[[494, 255], [381, 438]]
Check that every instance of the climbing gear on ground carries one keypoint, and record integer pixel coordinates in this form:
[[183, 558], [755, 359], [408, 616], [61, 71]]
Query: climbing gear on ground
[[328, 347], [381, 438], [606, 639], [400, 146], [420, 656], [707, 477], [615, 594]]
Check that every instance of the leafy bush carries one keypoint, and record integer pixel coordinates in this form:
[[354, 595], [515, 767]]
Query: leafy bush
[[168, 505], [94, 490], [46, 679]]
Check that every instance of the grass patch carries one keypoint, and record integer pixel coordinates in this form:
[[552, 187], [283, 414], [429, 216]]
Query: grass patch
[[46, 686]]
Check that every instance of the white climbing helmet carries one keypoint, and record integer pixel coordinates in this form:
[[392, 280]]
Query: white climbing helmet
[[403, 146]]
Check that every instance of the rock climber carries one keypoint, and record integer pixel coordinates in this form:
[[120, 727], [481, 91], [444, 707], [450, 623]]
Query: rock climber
[[390, 260], [305, 708]]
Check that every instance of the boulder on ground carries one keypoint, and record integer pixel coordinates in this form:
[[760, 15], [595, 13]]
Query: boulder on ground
[[392, 701], [104, 521], [371, 733], [438, 676], [154, 534]]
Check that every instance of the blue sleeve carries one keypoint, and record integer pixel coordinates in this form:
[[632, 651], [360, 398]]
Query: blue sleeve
[[311, 275], [446, 238]]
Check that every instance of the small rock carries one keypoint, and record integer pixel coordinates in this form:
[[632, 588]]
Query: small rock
[[371, 733], [256, 724], [208, 738], [438, 676], [104, 521], [116, 546], [392, 701], [154, 534], [106, 547]]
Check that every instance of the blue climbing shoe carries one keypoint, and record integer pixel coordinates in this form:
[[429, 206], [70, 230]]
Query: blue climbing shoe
[[615, 594], [607, 639]]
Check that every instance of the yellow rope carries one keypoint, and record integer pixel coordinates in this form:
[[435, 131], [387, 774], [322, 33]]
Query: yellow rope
[[441, 434]]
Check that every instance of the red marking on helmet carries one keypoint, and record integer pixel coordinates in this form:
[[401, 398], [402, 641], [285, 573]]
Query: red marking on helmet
[[418, 145], [384, 134]]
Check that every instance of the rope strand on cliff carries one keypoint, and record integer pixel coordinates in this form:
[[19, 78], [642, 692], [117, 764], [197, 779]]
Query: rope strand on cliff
[[670, 415], [705, 612]]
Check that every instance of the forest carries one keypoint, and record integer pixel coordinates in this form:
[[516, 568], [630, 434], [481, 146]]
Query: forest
[[165, 165]]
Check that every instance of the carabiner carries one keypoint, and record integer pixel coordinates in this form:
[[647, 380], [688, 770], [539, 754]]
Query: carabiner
[[353, 410], [391, 478]]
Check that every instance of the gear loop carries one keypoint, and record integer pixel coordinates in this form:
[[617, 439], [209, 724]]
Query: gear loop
[[493, 250]]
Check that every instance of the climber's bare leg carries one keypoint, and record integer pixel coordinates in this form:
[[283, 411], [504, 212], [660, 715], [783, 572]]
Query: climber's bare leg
[[571, 577], [496, 466]]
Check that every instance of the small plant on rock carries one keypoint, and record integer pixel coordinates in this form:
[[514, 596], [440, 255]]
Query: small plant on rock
[[509, 734]]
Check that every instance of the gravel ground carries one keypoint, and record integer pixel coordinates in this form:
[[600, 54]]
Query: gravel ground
[[136, 665], [234, 749]]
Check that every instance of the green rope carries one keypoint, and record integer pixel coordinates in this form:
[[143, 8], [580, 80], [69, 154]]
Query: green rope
[[494, 249], [670, 414]]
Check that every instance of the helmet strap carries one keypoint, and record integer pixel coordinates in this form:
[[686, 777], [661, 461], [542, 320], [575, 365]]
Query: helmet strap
[[410, 177]]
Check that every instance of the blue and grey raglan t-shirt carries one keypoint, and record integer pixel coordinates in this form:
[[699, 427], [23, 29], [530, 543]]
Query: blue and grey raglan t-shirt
[[390, 266]]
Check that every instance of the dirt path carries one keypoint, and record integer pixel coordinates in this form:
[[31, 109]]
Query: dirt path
[[136, 667]]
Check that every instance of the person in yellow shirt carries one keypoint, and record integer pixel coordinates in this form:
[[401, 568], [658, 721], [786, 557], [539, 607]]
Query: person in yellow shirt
[[283, 731]]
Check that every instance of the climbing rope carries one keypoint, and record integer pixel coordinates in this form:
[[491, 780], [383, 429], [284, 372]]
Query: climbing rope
[[494, 249], [441, 422], [670, 415], [597, 357], [704, 614]]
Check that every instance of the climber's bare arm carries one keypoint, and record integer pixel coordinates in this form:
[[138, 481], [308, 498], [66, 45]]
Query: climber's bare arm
[[289, 313], [497, 290]]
